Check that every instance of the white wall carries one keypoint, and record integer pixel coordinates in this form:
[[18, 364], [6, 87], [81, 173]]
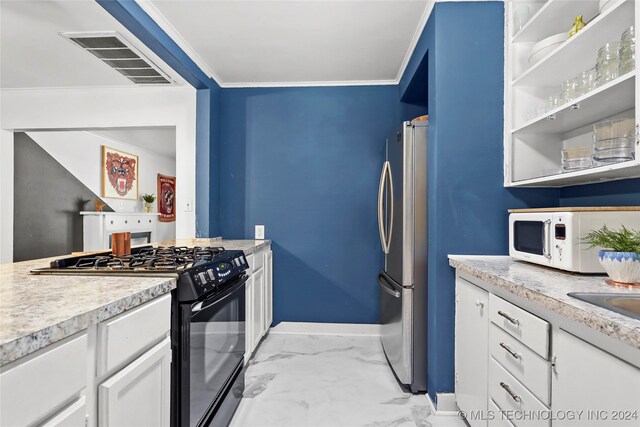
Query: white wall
[[6, 196], [81, 154], [74, 109]]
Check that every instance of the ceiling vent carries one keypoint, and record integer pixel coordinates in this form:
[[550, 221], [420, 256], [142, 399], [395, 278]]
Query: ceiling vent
[[114, 50]]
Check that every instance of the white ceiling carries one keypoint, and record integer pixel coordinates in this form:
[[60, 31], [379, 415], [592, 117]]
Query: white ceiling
[[159, 140], [295, 42], [34, 55]]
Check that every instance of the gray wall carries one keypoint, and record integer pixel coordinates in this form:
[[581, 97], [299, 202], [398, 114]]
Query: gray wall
[[47, 202]]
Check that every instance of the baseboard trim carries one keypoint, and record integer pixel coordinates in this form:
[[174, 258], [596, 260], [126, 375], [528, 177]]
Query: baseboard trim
[[446, 404], [309, 328]]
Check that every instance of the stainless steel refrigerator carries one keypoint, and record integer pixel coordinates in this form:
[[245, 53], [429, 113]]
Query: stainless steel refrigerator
[[402, 223]]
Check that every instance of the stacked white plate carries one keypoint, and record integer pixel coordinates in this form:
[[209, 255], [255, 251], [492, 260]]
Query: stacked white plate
[[545, 46]]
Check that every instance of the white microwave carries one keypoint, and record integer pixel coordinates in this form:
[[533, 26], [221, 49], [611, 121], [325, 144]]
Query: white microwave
[[553, 237]]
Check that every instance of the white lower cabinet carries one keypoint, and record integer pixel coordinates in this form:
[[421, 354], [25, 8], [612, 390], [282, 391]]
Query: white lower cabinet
[[116, 373], [268, 289], [471, 350], [586, 378], [138, 395], [74, 415], [535, 378], [34, 389], [259, 312]]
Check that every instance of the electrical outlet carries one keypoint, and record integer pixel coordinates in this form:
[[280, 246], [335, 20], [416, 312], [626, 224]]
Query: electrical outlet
[[259, 232], [188, 206]]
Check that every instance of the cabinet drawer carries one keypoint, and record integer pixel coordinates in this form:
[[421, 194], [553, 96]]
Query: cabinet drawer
[[521, 362], [32, 390], [496, 417], [74, 415], [531, 330], [127, 335], [510, 395]]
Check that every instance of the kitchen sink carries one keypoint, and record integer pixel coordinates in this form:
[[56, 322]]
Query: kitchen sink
[[627, 304]]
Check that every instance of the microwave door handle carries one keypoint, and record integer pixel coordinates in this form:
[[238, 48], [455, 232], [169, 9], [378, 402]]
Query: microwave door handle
[[546, 243]]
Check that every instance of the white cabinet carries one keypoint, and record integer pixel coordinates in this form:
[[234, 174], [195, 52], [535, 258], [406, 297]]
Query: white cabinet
[[33, 389], [72, 416], [139, 395], [471, 348], [248, 323], [589, 379], [259, 312], [536, 131], [268, 290], [258, 307]]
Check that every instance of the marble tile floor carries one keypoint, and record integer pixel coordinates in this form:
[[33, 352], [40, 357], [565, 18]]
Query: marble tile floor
[[328, 381]]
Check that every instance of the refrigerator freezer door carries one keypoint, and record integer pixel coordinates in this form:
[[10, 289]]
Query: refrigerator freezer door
[[399, 259], [396, 304]]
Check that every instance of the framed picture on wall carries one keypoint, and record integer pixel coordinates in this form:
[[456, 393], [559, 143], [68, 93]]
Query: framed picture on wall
[[167, 198], [119, 174]]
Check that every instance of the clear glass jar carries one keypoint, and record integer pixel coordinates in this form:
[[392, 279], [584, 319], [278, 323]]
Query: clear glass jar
[[627, 52], [570, 90], [587, 81], [577, 158], [553, 102], [607, 64]]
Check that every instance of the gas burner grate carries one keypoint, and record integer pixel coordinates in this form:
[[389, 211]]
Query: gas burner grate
[[162, 258]]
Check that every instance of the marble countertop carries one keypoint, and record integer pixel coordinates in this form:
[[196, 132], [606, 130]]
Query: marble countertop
[[39, 310], [549, 288]]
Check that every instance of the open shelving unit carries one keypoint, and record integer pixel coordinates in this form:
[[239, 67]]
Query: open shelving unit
[[533, 146]]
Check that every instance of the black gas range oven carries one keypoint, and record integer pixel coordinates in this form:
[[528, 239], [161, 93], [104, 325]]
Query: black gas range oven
[[207, 322]]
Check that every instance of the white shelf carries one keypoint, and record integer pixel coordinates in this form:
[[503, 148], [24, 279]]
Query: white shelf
[[580, 51], [605, 101], [623, 170], [555, 17]]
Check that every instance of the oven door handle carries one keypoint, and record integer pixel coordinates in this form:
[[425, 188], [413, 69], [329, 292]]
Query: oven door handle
[[204, 304]]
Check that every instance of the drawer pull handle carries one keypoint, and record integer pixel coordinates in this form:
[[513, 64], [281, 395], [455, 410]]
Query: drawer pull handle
[[511, 352], [509, 318], [512, 394]]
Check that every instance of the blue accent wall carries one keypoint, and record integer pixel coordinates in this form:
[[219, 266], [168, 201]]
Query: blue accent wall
[[462, 45], [616, 193], [305, 162]]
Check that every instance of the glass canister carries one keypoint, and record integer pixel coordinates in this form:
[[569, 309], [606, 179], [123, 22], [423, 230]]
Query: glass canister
[[587, 81], [570, 90], [627, 52], [607, 64]]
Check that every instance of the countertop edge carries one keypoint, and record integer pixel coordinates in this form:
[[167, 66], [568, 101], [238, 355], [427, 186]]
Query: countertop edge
[[586, 318], [23, 346]]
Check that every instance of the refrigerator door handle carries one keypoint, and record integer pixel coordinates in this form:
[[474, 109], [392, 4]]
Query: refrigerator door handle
[[381, 225], [387, 288], [390, 175]]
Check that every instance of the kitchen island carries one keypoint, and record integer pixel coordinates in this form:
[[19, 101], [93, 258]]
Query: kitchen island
[[39, 310]]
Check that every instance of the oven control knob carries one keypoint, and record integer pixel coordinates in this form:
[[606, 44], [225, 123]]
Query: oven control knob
[[211, 275]]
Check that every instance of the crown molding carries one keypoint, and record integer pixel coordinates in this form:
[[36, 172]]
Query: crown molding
[[153, 12], [311, 84]]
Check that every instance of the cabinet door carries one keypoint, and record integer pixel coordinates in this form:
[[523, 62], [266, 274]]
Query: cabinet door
[[471, 352], [268, 286], [138, 395], [73, 415], [258, 305], [586, 378], [248, 323]]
